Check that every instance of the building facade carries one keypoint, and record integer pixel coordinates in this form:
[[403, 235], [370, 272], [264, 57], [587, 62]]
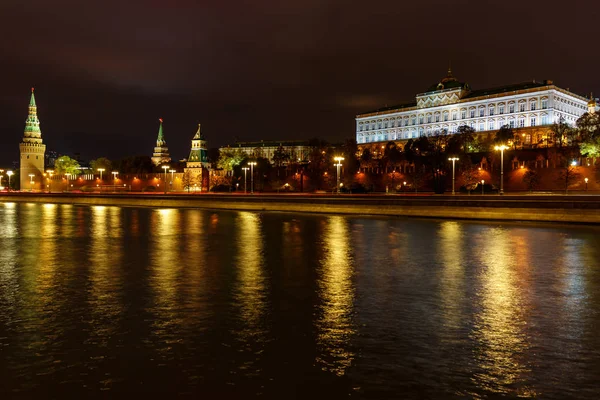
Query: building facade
[[32, 151], [161, 151], [449, 104], [298, 149]]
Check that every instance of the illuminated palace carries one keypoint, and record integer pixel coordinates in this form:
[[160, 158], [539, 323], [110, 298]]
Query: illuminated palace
[[528, 107]]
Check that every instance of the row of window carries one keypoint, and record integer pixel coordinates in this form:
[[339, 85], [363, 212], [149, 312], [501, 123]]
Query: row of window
[[480, 126], [472, 112]]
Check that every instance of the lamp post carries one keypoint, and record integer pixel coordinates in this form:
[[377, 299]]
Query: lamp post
[[101, 170], [501, 148], [172, 171], [1, 172], [252, 164], [338, 165], [9, 173], [165, 168], [115, 173], [482, 183], [245, 177], [586, 181], [50, 173], [453, 159], [31, 181]]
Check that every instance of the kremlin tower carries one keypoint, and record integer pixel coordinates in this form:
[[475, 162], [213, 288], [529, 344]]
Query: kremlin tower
[[32, 151], [198, 159], [161, 152]]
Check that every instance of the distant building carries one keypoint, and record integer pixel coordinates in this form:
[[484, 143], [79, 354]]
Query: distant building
[[298, 149], [161, 151], [529, 107], [197, 163], [32, 151]]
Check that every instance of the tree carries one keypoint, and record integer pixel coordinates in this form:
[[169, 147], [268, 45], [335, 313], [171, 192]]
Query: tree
[[281, 156], [531, 179], [231, 158], [188, 180], [66, 165], [568, 171], [351, 162], [134, 165], [101, 162], [470, 175], [466, 136], [563, 134], [504, 134]]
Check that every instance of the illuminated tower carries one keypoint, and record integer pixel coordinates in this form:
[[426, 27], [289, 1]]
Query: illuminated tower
[[161, 151], [592, 105], [32, 151], [197, 162]]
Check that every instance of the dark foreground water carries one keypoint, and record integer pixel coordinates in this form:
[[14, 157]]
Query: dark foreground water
[[108, 301]]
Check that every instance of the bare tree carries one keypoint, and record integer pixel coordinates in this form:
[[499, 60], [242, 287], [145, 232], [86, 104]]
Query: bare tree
[[188, 180], [531, 179]]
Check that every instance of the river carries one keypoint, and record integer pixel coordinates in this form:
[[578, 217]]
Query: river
[[109, 301]]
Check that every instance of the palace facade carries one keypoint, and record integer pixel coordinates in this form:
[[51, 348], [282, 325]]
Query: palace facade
[[449, 104], [298, 149]]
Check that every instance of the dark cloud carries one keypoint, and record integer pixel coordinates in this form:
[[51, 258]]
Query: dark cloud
[[105, 71]]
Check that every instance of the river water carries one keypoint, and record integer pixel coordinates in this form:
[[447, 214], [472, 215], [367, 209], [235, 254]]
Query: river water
[[110, 301]]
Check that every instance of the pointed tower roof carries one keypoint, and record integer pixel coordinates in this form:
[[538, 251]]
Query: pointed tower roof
[[199, 135], [160, 137], [32, 100], [32, 123]]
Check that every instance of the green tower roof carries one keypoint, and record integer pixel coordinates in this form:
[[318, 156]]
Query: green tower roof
[[32, 100], [32, 123], [160, 140]]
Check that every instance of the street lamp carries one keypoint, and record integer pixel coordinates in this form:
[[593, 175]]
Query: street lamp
[[50, 173], [101, 170], [172, 171], [1, 172], [252, 164], [586, 181], [482, 183], [245, 177], [31, 181], [338, 165], [165, 167], [9, 173], [115, 173], [501, 148], [453, 159]]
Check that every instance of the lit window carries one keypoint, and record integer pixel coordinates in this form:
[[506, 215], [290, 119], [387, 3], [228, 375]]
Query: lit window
[[532, 121]]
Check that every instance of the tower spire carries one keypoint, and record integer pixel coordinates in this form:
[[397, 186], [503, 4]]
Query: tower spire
[[161, 151], [160, 140]]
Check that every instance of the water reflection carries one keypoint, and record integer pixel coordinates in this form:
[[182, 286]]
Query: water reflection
[[105, 275], [453, 275], [165, 281], [334, 323], [500, 324], [250, 291]]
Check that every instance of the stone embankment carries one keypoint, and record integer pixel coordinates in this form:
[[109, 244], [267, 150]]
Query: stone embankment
[[571, 209]]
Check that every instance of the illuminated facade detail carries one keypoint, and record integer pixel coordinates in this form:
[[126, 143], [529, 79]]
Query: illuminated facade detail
[[32, 150], [297, 149], [197, 161], [449, 104], [161, 151]]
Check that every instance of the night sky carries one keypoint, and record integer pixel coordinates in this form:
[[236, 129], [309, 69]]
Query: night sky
[[106, 71]]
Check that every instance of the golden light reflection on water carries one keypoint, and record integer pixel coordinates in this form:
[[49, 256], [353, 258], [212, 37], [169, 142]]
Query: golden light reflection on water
[[250, 289], [8, 274], [499, 326], [165, 268], [106, 278], [453, 273], [334, 324]]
